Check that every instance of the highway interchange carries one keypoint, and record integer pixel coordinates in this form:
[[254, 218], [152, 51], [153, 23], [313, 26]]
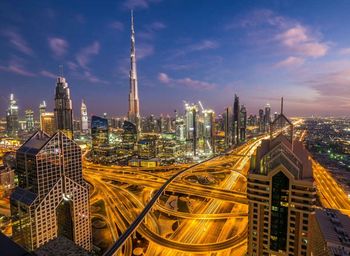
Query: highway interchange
[[200, 209]]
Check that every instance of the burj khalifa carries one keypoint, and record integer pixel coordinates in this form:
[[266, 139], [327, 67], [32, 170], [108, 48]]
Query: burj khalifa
[[134, 105]]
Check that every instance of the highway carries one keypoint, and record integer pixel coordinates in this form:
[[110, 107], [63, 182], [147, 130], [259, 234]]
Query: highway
[[331, 194], [232, 189]]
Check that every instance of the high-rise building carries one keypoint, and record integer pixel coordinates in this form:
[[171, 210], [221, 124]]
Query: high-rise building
[[129, 136], [51, 199], [180, 128], [134, 105], [63, 107], [99, 133], [12, 124], [47, 123], [281, 194], [209, 130], [261, 121], [84, 118], [267, 115], [192, 126], [42, 108], [29, 120], [330, 231], [243, 124], [236, 120], [228, 126]]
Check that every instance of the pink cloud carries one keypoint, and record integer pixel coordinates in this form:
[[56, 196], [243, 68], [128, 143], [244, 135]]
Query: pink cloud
[[117, 25], [144, 50], [185, 82], [344, 51], [58, 46], [299, 39], [18, 42], [16, 67], [92, 78], [48, 74], [291, 61], [84, 56]]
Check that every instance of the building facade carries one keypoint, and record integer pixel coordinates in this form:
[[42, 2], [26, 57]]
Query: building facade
[[99, 134], [236, 121], [48, 123], [51, 199], [63, 108], [84, 118], [29, 120], [12, 123], [330, 233], [281, 194], [134, 104]]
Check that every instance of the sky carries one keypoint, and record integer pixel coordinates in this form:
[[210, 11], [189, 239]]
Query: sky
[[186, 50]]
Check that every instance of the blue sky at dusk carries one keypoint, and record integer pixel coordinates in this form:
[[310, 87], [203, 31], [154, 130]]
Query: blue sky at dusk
[[186, 50]]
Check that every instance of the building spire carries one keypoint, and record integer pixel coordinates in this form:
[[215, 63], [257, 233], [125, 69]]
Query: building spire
[[134, 108], [281, 105]]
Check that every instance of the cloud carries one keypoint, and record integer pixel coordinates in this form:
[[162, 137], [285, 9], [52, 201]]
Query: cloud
[[149, 31], [266, 28], [291, 61], [144, 50], [204, 45], [58, 46], [92, 78], [15, 66], [344, 51], [48, 74], [117, 25], [185, 82], [300, 40], [141, 4], [17, 41], [84, 56], [332, 84], [157, 25], [72, 66], [199, 46], [256, 18]]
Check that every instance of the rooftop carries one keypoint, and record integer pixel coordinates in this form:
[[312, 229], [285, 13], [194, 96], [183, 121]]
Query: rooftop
[[335, 227], [61, 246]]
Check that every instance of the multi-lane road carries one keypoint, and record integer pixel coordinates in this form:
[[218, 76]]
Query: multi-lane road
[[223, 212]]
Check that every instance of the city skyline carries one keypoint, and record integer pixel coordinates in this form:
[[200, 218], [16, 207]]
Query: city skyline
[[270, 49]]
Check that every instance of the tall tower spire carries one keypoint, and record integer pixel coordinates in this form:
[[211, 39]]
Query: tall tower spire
[[134, 107]]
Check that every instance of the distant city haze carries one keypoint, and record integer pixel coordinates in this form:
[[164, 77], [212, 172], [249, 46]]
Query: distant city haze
[[184, 51]]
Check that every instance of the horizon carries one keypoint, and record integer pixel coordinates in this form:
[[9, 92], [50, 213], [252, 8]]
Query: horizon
[[259, 51]]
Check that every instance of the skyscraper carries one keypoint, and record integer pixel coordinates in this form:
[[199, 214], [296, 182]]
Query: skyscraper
[[51, 199], [236, 120], [267, 115], [281, 195], [261, 121], [228, 126], [192, 126], [12, 124], [47, 123], [209, 128], [99, 134], [29, 120], [84, 118], [243, 124], [134, 107], [42, 108], [63, 107]]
